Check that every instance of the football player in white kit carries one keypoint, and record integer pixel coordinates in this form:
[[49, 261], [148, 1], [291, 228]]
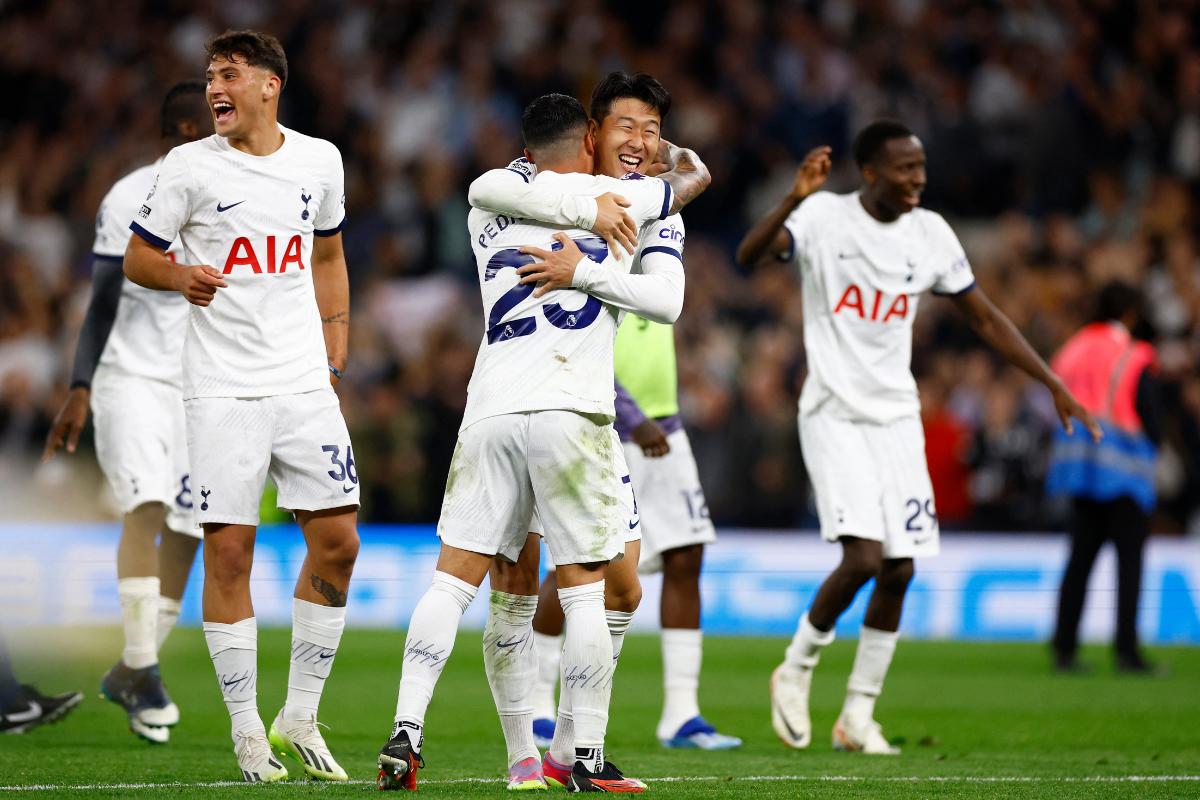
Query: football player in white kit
[[258, 210], [538, 430], [864, 259], [627, 113], [127, 367]]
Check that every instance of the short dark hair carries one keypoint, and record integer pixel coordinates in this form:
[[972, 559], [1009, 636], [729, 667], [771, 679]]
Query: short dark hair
[[184, 102], [870, 140], [551, 119], [640, 86], [254, 47], [1116, 299]]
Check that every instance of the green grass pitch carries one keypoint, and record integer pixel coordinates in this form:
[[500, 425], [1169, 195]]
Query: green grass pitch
[[975, 720]]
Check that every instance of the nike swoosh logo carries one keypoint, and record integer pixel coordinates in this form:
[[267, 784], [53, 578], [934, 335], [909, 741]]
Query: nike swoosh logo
[[33, 712], [233, 682], [221, 208], [635, 523], [850, 255], [347, 491], [510, 643]]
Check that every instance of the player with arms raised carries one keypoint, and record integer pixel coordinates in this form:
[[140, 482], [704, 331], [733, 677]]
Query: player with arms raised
[[258, 210], [538, 429], [127, 365], [864, 260]]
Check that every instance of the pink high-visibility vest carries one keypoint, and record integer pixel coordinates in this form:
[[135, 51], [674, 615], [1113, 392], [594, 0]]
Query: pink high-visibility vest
[[1101, 366]]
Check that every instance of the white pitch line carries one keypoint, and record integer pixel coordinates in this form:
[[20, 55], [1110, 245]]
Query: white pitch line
[[46, 787]]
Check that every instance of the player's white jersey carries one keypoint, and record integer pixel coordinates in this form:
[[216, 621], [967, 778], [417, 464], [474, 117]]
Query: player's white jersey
[[555, 351], [861, 280], [253, 218], [660, 236], [147, 335]]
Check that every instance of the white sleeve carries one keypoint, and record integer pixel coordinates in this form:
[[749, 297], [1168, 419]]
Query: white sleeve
[[954, 275], [650, 198], [331, 215], [511, 191], [168, 206], [656, 294], [112, 227], [800, 222]]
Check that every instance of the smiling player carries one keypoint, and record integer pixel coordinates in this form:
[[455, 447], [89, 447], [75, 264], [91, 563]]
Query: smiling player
[[259, 209], [864, 260]]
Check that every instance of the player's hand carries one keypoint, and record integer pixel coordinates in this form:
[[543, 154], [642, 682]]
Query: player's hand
[[661, 162], [199, 284], [650, 436], [613, 224], [555, 270], [813, 172], [1067, 407], [68, 423]]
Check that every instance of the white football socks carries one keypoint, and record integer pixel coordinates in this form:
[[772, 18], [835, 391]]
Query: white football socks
[[549, 660], [871, 662], [316, 633], [618, 624], [431, 634], [805, 650], [168, 615], [682, 650], [587, 668], [139, 613], [510, 661], [234, 651]]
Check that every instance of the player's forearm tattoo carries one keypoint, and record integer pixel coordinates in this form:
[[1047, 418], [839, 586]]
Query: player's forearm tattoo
[[688, 176], [342, 317], [327, 590]]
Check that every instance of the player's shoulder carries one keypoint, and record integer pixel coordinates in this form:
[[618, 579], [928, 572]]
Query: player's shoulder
[[312, 144], [932, 224], [132, 187], [823, 203]]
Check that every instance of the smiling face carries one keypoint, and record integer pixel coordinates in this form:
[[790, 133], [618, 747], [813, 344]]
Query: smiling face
[[896, 176], [242, 97], [627, 138]]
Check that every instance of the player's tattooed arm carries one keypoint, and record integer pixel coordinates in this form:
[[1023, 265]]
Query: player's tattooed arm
[[332, 287], [687, 175], [336, 597], [768, 236]]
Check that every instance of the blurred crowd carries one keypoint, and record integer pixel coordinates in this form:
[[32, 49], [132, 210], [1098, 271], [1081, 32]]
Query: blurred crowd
[[1063, 140]]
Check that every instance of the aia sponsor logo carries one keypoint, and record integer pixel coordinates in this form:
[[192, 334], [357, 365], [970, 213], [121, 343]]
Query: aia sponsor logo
[[872, 305], [266, 257]]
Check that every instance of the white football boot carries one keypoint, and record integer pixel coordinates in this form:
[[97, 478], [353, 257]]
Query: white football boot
[[861, 736], [256, 760], [789, 705], [303, 743]]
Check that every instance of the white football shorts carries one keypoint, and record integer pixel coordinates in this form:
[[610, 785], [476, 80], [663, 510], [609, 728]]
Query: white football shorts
[[299, 439], [632, 532], [871, 481], [670, 500], [141, 444], [564, 463]]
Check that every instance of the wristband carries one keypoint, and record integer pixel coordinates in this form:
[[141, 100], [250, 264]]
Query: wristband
[[337, 373]]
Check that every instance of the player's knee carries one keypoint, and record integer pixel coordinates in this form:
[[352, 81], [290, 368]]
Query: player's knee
[[227, 561], [338, 554], [623, 598], [683, 563], [896, 575]]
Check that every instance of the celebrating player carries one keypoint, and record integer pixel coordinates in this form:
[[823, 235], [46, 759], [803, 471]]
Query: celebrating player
[[259, 209], [538, 429], [627, 112], [864, 260], [127, 363]]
